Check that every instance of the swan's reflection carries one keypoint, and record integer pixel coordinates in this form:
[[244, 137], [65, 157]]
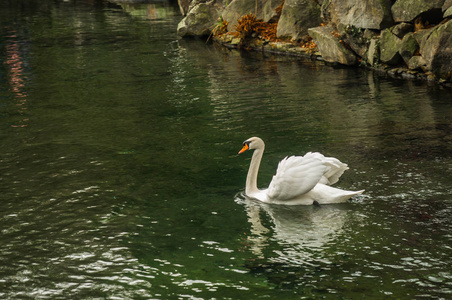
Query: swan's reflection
[[301, 232]]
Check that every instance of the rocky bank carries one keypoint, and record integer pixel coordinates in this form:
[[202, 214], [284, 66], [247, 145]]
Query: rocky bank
[[408, 38]]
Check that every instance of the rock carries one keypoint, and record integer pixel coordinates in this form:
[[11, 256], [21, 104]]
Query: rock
[[417, 63], [447, 8], [226, 38], [296, 17], [408, 47], [373, 53], [448, 12], [408, 75], [389, 47], [401, 29], [437, 50], [369, 33], [408, 10], [184, 6], [200, 20], [372, 14], [330, 47], [264, 10], [447, 4], [281, 46], [354, 37], [236, 41], [325, 11], [421, 36]]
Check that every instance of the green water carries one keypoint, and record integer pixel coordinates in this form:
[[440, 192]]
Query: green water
[[119, 174]]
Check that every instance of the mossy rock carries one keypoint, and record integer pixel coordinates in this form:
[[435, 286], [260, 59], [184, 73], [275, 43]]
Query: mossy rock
[[408, 47], [389, 48]]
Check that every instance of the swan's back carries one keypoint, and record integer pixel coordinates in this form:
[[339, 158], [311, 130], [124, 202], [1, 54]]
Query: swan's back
[[334, 167], [295, 176]]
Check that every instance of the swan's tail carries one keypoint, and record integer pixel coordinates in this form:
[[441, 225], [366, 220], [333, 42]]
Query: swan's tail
[[348, 194], [357, 192], [327, 194]]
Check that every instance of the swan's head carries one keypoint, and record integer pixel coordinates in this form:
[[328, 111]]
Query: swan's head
[[252, 143]]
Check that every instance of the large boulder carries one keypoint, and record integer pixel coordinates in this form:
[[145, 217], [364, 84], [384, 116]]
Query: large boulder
[[200, 19], [296, 17], [447, 8], [408, 10], [354, 38], [447, 4], [437, 50], [408, 47], [389, 48], [371, 14], [373, 54], [264, 9], [184, 6], [401, 29], [330, 47], [417, 63], [421, 36]]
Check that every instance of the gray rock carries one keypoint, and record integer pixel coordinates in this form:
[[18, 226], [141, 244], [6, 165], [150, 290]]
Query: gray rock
[[447, 4], [330, 47], [437, 50], [401, 29], [325, 10], [448, 12], [408, 10], [354, 37], [184, 6], [296, 17], [236, 41], [389, 47], [421, 36], [372, 14], [369, 33], [417, 63], [200, 20], [408, 47], [264, 10], [447, 8], [373, 55]]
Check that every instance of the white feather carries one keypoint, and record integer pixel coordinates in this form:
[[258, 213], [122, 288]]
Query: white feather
[[295, 176], [334, 167]]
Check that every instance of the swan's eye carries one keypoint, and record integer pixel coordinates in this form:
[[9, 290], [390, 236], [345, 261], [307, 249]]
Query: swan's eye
[[246, 146]]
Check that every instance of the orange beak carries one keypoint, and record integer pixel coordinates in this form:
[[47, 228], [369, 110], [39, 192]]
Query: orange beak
[[245, 147]]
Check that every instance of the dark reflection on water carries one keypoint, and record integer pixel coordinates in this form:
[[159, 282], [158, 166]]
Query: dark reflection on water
[[118, 166]]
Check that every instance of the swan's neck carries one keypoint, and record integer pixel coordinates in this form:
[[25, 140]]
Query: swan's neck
[[251, 178]]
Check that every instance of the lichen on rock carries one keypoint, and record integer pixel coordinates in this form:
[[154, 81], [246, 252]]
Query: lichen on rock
[[409, 10], [200, 19], [389, 47], [297, 17], [371, 14], [330, 46]]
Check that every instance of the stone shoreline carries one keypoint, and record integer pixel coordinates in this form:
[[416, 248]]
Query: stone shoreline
[[410, 39], [289, 49]]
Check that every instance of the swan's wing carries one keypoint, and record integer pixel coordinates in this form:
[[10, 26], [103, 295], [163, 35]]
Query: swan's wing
[[334, 167], [295, 176]]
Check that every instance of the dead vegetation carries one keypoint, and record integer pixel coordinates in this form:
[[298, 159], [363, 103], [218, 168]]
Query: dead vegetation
[[250, 28], [220, 28]]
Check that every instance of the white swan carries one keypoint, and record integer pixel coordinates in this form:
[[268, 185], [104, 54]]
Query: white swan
[[299, 180]]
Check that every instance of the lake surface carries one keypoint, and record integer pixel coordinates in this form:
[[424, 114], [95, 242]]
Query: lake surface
[[120, 179]]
